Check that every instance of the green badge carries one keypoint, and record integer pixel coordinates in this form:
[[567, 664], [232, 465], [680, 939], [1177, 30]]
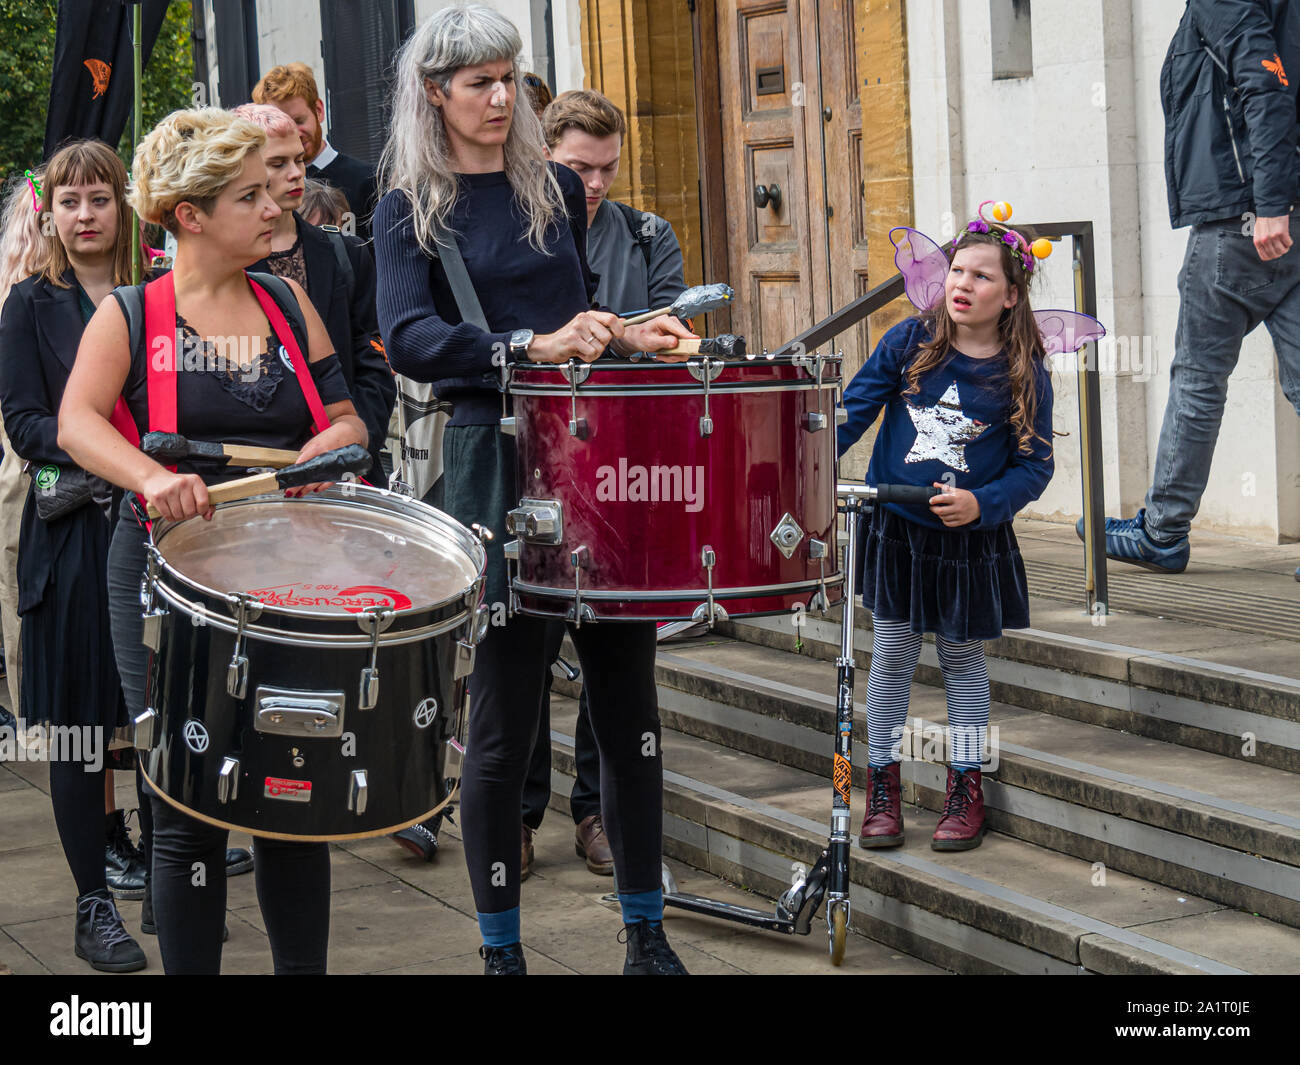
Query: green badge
[[47, 477]]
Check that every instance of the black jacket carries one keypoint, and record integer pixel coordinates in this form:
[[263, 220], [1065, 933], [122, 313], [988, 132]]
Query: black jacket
[[357, 182], [348, 311], [1228, 88], [40, 330]]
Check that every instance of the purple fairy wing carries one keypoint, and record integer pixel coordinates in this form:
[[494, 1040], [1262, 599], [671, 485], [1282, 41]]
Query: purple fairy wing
[[1067, 331], [923, 265]]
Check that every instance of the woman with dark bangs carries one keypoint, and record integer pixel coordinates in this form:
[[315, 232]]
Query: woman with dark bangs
[[69, 675]]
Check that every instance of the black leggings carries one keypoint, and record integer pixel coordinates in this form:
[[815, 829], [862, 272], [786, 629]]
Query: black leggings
[[189, 896], [78, 800], [505, 702]]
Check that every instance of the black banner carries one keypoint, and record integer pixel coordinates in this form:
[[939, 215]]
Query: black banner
[[91, 83]]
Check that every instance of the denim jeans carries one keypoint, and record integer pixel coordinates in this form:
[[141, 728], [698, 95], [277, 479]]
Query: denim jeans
[[1224, 292]]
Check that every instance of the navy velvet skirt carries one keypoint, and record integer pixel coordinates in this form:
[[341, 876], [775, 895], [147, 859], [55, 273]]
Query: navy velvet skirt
[[963, 584]]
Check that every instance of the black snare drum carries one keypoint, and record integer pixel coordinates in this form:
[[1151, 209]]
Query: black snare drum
[[309, 662]]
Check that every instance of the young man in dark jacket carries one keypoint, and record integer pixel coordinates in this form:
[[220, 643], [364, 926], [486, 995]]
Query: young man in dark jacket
[[1228, 88]]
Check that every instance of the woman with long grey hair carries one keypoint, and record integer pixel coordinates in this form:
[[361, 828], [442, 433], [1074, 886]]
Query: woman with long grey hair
[[464, 163]]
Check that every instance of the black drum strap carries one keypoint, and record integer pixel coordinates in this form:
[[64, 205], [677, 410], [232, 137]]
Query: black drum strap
[[458, 277]]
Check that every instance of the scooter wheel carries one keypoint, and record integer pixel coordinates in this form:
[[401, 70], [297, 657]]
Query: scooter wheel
[[839, 935]]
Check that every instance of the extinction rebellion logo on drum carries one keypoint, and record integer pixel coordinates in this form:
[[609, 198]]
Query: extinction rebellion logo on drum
[[652, 484]]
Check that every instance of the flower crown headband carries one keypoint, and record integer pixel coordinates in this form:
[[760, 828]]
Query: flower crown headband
[[1001, 212]]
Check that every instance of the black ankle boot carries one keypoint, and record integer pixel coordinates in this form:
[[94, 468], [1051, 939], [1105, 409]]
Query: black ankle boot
[[648, 952], [503, 961], [124, 866], [100, 937]]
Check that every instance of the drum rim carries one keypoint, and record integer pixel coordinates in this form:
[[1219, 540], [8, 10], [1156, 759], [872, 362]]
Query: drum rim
[[545, 591], [640, 388], [395, 502]]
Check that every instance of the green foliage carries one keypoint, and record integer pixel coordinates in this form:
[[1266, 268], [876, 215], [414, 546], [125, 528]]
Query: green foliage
[[27, 57]]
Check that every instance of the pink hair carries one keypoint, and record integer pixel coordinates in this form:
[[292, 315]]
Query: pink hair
[[271, 119]]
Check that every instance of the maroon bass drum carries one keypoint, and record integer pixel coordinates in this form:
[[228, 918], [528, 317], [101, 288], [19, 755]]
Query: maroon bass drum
[[675, 491]]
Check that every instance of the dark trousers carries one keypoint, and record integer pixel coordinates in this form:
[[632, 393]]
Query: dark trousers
[[189, 896], [584, 799], [505, 705]]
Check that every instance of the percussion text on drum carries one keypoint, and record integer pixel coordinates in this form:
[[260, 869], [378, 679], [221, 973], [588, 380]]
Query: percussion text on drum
[[653, 484]]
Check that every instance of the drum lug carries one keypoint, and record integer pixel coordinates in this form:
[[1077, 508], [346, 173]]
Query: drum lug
[[814, 421], [537, 521], [358, 792], [245, 608], [576, 373], [786, 535], [511, 551], [146, 730], [377, 619], [705, 370], [709, 611], [453, 763], [509, 426], [228, 780], [484, 534], [581, 613], [817, 548], [464, 660], [151, 629], [841, 415]]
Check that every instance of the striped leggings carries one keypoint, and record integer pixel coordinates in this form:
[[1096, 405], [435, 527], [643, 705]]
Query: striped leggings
[[894, 653]]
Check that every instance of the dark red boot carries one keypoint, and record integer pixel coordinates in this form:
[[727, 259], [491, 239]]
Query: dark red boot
[[883, 825], [962, 825]]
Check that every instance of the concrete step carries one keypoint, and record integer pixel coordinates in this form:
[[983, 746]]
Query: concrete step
[[1179, 817], [1203, 697], [1007, 907]]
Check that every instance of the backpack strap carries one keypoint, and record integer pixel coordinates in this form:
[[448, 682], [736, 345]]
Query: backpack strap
[[271, 308], [633, 219], [341, 257]]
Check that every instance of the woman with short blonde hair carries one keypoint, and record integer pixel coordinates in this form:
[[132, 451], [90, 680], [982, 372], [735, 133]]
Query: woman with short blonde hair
[[201, 174]]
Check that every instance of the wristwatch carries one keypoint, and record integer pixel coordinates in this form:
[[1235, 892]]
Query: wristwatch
[[520, 340]]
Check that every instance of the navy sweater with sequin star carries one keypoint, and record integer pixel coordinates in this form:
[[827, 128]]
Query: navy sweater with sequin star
[[955, 430]]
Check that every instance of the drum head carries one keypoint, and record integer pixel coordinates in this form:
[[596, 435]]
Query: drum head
[[322, 555]]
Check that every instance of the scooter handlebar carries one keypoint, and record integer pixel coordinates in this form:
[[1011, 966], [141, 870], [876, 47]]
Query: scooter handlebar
[[889, 493]]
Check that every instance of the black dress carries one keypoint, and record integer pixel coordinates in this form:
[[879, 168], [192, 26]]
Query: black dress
[[69, 672]]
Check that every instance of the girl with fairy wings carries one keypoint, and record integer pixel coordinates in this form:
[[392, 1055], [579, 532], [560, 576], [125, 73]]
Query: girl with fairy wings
[[967, 404]]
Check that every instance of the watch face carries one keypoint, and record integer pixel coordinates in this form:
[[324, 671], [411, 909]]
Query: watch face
[[521, 338]]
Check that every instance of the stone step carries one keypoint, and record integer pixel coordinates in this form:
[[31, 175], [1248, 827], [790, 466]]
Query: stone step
[[1008, 906], [1180, 817], [1201, 699]]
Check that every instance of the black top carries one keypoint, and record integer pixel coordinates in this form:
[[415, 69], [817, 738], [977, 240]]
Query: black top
[[345, 301], [357, 182], [216, 401], [517, 286]]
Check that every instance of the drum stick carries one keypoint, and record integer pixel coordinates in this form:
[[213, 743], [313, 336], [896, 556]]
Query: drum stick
[[172, 447], [698, 300], [330, 466]]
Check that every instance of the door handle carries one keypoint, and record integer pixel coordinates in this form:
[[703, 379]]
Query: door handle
[[767, 195]]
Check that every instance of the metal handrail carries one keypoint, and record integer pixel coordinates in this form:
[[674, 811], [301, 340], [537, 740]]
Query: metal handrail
[[1096, 594]]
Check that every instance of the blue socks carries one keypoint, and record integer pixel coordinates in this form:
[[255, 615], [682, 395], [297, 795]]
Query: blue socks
[[499, 929], [642, 906]]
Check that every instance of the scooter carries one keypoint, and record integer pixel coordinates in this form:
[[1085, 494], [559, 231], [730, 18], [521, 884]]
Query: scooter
[[829, 877]]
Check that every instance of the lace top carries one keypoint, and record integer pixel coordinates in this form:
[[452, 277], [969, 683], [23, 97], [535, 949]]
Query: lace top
[[251, 379], [291, 263]]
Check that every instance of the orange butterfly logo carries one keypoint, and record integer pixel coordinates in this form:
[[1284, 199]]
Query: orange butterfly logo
[[378, 345], [100, 72], [1275, 68]]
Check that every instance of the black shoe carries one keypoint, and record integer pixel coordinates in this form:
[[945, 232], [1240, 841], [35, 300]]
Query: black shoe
[[100, 937], [238, 860], [503, 961], [648, 952], [421, 840], [124, 866]]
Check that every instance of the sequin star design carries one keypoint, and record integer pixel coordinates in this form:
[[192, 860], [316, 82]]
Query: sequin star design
[[943, 431]]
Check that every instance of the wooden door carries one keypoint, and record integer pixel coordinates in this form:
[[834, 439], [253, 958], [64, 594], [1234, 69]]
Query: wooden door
[[791, 117]]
